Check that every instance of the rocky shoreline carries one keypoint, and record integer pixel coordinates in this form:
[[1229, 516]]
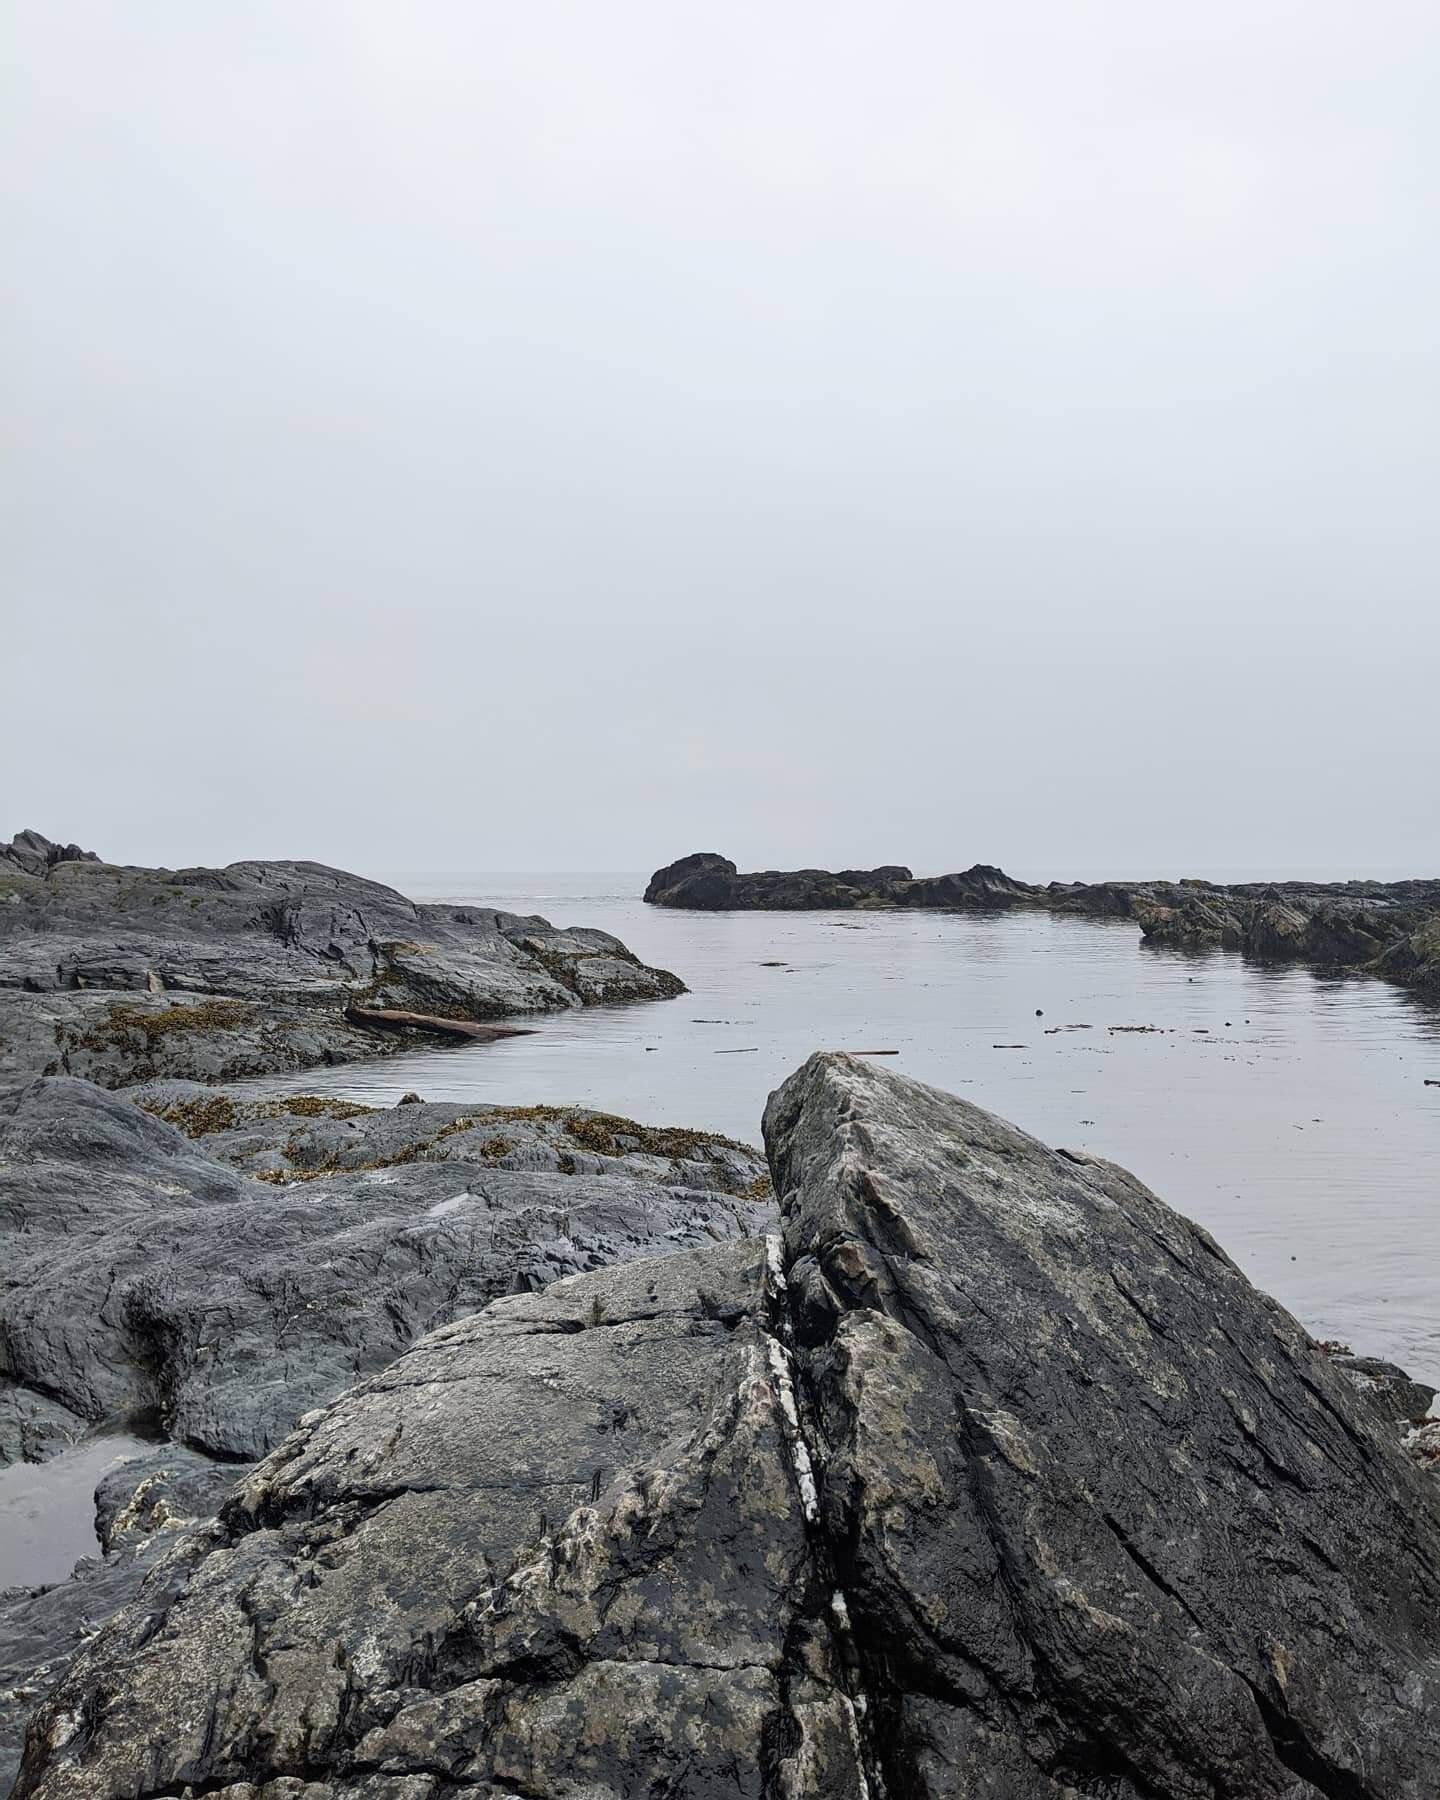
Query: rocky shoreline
[[1388, 929], [533, 1451], [529, 1450], [122, 975], [210, 1266]]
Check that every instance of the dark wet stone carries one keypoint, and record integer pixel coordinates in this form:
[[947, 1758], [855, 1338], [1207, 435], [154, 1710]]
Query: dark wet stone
[[707, 882], [988, 1476]]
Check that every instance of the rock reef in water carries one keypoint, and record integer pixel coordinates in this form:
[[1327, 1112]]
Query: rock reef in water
[[1391, 929], [706, 882], [986, 1475], [120, 974]]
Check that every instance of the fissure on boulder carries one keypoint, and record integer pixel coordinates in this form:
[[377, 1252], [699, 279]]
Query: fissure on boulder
[[992, 1477]]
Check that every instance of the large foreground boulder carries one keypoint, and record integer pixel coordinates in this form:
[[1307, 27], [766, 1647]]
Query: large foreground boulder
[[988, 1476]]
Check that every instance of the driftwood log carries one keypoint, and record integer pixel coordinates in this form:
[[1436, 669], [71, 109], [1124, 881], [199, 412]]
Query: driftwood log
[[387, 1019]]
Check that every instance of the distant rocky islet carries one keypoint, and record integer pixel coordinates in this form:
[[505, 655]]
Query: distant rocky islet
[[1387, 929]]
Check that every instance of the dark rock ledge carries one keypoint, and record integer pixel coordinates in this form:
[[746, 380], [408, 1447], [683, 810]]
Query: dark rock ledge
[[987, 1476], [120, 974], [1390, 929], [213, 1267]]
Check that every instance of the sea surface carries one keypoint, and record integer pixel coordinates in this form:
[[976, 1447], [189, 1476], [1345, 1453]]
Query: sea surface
[[47, 1510], [1287, 1112]]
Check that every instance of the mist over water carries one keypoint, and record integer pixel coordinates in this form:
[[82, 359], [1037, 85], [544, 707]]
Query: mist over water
[[1284, 1111]]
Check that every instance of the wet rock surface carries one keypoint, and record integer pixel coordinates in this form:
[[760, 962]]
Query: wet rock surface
[[141, 1273], [122, 974], [140, 1507], [219, 1264], [987, 1475], [33, 1427]]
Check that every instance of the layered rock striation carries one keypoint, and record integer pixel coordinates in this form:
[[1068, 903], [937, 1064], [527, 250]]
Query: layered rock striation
[[120, 974], [709, 883], [984, 1475], [225, 1282], [208, 1270]]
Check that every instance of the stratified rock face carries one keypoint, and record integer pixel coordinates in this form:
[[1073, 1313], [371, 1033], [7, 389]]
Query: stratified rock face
[[139, 1273], [1347, 925], [34, 854], [995, 1480], [982, 888], [121, 974], [1106, 1519], [709, 883], [1415, 959]]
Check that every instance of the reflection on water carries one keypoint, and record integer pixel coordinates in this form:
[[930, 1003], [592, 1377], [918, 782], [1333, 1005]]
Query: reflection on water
[[47, 1510], [1287, 1113]]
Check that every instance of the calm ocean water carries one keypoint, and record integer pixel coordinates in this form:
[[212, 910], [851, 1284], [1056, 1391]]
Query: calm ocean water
[[1286, 1112]]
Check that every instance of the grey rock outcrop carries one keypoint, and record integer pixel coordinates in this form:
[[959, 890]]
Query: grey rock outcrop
[[1415, 959], [141, 1274], [1394, 1396], [218, 1280], [43, 1629], [121, 975], [989, 1476], [33, 854], [141, 1506], [33, 1427], [1325, 928]]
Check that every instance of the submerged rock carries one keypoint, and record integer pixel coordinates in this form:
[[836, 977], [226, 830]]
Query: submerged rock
[[988, 1476], [122, 975]]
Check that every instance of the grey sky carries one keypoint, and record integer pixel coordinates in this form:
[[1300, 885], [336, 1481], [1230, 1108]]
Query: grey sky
[[465, 435]]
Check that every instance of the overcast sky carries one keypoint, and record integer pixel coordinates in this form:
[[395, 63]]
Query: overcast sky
[[468, 435]]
